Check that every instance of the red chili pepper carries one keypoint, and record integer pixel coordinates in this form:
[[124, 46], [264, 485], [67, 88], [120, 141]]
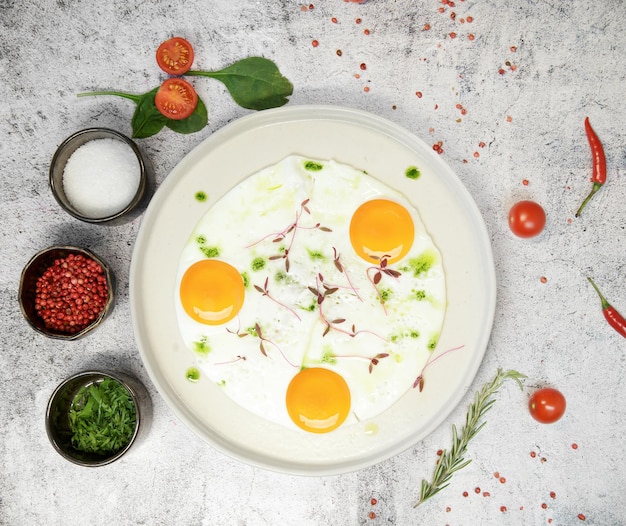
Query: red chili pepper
[[599, 163], [615, 319]]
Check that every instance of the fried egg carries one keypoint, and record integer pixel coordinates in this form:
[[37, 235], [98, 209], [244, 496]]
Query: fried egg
[[312, 294]]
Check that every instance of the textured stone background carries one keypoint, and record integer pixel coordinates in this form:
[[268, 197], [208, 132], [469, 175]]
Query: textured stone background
[[524, 123]]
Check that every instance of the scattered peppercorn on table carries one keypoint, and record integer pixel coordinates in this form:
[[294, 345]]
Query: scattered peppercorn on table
[[522, 101]]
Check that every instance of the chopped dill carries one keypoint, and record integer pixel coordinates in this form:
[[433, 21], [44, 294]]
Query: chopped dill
[[102, 418]]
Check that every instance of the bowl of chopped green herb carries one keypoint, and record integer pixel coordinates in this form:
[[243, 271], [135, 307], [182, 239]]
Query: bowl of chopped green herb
[[94, 417]]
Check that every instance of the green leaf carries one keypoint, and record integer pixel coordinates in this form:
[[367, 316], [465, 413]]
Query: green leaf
[[147, 120], [130, 96], [254, 83], [195, 122]]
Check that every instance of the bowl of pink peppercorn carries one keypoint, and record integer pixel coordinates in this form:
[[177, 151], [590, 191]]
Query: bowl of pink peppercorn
[[66, 292]]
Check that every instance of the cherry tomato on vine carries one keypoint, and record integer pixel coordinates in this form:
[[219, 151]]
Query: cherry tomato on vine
[[527, 219], [547, 405], [175, 56], [176, 99]]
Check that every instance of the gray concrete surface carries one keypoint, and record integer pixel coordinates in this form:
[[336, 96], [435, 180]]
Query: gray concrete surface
[[559, 62]]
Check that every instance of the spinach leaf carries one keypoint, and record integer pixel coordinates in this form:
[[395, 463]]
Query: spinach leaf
[[148, 120], [195, 122], [130, 96], [254, 83]]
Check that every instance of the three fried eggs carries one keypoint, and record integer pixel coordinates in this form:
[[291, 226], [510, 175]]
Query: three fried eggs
[[312, 294]]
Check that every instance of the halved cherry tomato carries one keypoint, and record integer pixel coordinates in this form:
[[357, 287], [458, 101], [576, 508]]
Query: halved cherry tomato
[[527, 219], [176, 99], [547, 405], [175, 56]]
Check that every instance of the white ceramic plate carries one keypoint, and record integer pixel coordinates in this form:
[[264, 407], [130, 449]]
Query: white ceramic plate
[[385, 151]]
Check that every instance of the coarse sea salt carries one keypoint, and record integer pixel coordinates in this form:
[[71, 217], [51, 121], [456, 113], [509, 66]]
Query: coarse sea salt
[[101, 177]]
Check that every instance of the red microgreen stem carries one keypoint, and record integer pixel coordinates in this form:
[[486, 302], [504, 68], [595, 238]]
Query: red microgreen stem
[[419, 381], [259, 334], [381, 269], [234, 360], [341, 268], [238, 332], [291, 229], [373, 362], [265, 292], [333, 324]]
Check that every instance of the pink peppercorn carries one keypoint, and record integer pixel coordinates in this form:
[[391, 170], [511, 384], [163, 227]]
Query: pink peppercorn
[[71, 294]]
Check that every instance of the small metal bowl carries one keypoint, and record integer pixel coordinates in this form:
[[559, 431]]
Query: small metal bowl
[[58, 425], [35, 268], [57, 168]]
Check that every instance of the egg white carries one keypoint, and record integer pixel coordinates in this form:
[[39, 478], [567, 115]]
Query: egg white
[[242, 227]]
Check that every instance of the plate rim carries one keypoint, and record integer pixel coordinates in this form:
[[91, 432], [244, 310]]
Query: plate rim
[[294, 113]]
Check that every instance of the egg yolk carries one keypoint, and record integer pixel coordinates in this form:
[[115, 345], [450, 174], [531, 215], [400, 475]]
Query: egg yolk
[[381, 228], [318, 400], [212, 291]]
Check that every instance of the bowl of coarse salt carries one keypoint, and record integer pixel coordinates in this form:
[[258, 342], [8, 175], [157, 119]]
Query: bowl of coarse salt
[[99, 175]]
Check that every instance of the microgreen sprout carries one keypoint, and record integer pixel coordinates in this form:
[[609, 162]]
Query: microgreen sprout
[[341, 268], [234, 360], [322, 291], [263, 340], [258, 333], [378, 272], [376, 360], [265, 292], [373, 361], [239, 332], [419, 381], [279, 237]]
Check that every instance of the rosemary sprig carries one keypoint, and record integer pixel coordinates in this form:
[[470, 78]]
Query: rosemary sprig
[[453, 460]]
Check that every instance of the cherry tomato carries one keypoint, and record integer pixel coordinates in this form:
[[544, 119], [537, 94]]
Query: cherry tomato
[[176, 99], [175, 56], [527, 219], [547, 405]]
